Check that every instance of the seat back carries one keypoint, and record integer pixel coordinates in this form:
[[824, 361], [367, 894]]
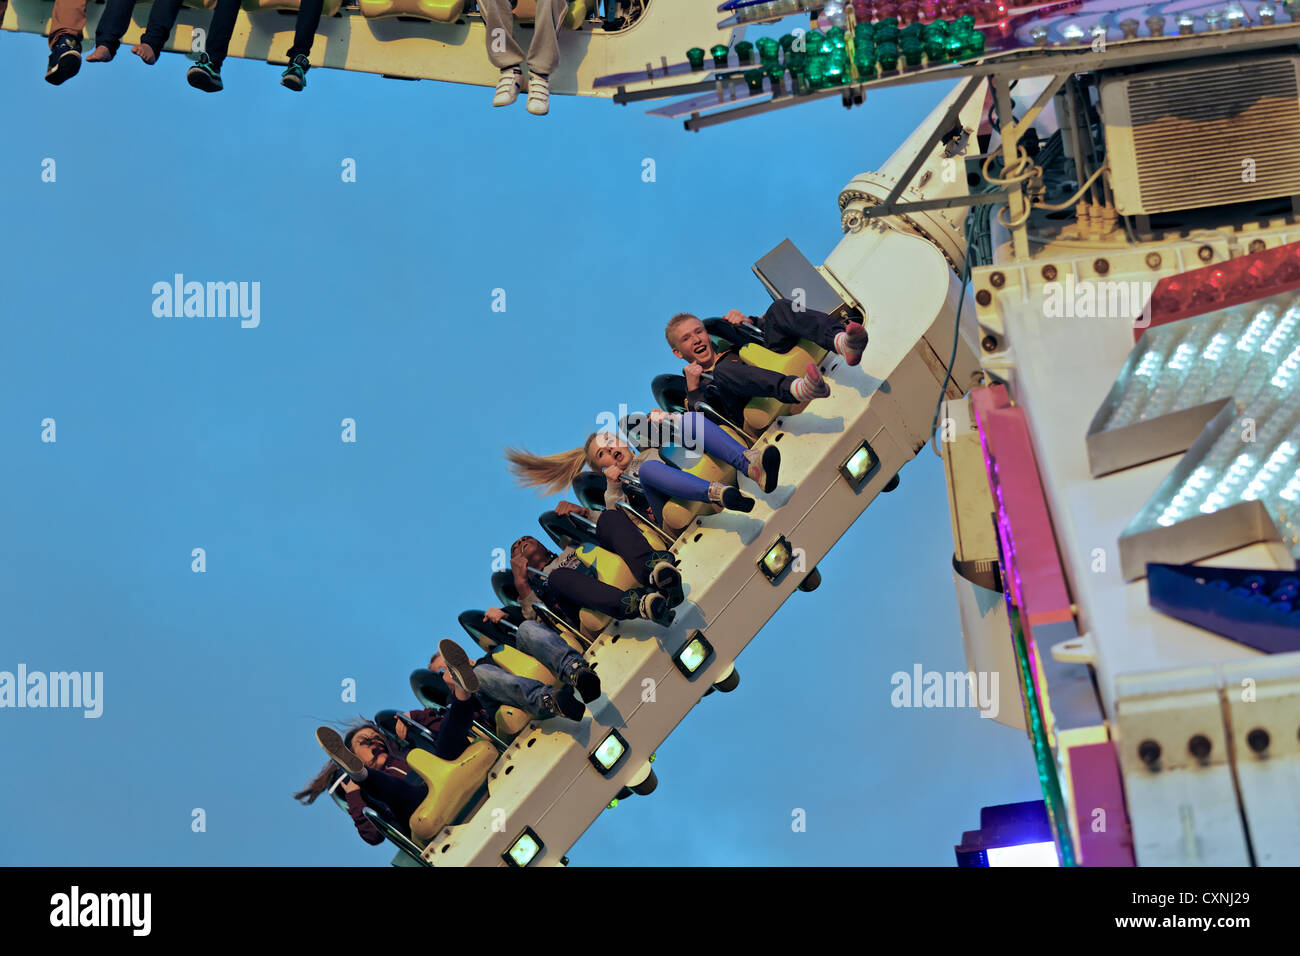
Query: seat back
[[679, 514], [439, 11], [451, 785], [761, 412], [576, 14], [331, 6], [486, 634]]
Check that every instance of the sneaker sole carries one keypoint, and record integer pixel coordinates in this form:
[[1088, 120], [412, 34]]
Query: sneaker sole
[[592, 689], [65, 68], [458, 662], [771, 465], [291, 84], [665, 577], [201, 81], [332, 743]]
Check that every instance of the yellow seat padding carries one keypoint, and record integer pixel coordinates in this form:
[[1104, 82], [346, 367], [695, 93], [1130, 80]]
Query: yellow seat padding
[[439, 11], [576, 15], [521, 665], [526, 10], [451, 784], [678, 514], [331, 6], [593, 623], [510, 722], [761, 412]]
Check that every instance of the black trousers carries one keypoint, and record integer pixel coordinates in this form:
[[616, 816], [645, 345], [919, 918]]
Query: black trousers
[[220, 30], [568, 590], [304, 31], [783, 327], [117, 17]]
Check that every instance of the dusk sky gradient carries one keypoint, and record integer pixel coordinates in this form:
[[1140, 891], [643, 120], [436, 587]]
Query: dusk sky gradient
[[328, 560]]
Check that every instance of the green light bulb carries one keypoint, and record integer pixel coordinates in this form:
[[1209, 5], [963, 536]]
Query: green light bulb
[[719, 53], [696, 57]]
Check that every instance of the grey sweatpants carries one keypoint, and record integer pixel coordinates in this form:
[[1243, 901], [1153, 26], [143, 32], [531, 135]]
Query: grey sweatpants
[[504, 51]]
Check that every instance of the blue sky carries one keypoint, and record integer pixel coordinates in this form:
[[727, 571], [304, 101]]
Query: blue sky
[[328, 560]]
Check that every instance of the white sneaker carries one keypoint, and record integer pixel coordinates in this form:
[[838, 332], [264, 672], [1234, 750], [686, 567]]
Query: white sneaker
[[508, 87], [539, 95]]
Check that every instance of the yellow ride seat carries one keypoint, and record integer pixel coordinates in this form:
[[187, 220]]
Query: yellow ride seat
[[511, 720], [611, 570], [451, 785], [576, 15], [439, 11], [761, 412], [331, 6], [679, 514]]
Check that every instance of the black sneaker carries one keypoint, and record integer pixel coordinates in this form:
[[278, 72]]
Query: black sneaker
[[332, 743], [295, 75], [663, 571], [584, 680], [459, 666], [734, 500], [65, 59], [564, 704], [204, 75]]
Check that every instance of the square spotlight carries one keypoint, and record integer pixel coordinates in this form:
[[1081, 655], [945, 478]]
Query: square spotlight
[[611, 750], [859, 466], [525, 849], [695, 653], [777, 559]]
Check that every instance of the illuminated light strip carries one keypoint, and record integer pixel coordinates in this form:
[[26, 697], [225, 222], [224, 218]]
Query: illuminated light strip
[[1222, 285], [1024, 522], [1095, 777]]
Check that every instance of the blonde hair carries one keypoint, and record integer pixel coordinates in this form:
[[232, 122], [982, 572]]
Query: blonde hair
[[675, 321], [553, 473]]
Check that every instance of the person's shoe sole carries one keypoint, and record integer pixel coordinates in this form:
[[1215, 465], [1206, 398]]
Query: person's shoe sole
[[587, 684], [569, 706], [202, 80], [771, 465], [292, 82], [332, 743], [65, 68], [666, 577], [734, 500], [458, 662]]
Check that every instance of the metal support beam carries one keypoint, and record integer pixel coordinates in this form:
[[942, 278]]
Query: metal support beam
[[923, 154], [1010, 150], [947, 202]]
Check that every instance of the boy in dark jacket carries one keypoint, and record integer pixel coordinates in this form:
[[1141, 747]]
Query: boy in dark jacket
[[727, 383]]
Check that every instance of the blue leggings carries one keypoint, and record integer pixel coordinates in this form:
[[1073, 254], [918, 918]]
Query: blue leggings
[[662, 481]]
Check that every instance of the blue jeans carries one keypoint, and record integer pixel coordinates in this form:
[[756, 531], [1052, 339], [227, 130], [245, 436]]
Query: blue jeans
[[662, 481], [546, 647]]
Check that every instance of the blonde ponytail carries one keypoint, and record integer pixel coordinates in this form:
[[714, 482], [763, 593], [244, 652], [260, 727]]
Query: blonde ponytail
[[553, 473]]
